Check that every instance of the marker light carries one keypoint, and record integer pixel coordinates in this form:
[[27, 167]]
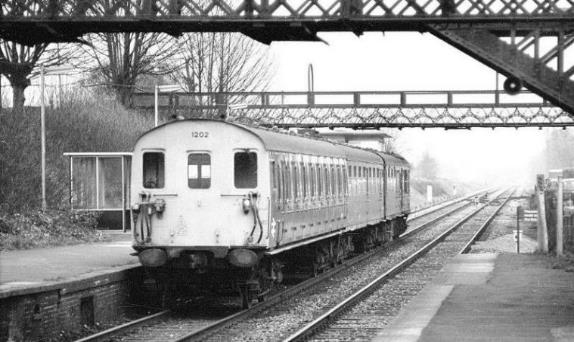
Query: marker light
[[159, 206], [246, 204]]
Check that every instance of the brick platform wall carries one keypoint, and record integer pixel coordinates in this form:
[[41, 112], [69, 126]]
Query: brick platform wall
[[53, 311]]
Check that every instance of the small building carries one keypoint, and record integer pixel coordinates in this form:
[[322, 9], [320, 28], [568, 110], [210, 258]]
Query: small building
[[367, 139]]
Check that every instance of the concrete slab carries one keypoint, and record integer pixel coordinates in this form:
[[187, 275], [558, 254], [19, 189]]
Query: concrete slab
[[522, 298], [416, 315], [35, 267]]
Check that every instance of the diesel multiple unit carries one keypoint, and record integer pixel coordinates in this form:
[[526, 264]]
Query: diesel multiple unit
[[220, 205]]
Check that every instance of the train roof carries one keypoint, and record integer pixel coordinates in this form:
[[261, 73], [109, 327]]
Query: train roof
[[294, 143]]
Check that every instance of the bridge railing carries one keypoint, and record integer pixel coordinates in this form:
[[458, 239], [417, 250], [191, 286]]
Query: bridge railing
[[342, 99]]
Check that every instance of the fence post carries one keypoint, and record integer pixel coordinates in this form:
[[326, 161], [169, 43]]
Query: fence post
[[559, 219], [542, 231]]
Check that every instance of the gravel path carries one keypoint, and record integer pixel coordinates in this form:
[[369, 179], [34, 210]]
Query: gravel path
[[499, 237]]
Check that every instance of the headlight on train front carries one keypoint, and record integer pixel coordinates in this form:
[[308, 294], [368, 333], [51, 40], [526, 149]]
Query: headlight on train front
[[246, 205]]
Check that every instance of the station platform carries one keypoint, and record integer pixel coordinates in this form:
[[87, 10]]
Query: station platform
[[25, 271], [491, 297]]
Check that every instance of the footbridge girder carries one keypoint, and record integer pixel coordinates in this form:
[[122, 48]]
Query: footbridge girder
[[31, 21], [366, 110], [511, 36]]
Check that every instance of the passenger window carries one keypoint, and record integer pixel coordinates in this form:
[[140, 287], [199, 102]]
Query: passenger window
[[304, 176], [327, 180], [245, 170], [276, 183], [295, 181], [319, 180], [153, 170], [340, 179], [287, 177], [345, 181], [333, 181], [199, 171], [313, 181]]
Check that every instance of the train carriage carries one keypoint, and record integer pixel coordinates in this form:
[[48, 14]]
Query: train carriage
[[216, 203]]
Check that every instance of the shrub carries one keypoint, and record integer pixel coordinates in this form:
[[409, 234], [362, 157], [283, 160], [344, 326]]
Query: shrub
[[83, 123], [32, 229]]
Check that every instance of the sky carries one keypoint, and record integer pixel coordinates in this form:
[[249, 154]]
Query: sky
[[414, 61]]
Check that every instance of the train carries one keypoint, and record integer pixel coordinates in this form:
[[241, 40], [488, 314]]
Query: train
[[223, 206]]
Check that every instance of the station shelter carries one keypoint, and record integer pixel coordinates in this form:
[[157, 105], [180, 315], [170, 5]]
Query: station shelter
[[99, 182]]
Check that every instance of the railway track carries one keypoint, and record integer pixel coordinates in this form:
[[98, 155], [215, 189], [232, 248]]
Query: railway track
[[173, 326], [368, 310]]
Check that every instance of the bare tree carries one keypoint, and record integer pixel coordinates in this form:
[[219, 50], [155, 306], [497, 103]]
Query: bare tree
[[19, 63], [120, 58], [221, 62], [558, 152], [427, 167]]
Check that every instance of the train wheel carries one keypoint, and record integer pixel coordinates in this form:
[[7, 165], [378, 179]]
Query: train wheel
[[245, 297], [315, 269]]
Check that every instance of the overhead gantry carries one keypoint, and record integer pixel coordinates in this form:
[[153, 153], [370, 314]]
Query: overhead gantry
[[529, 41]]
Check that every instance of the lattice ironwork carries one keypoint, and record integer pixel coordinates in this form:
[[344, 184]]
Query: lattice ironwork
[[365, 118], [369, 109], [537, 58], [504, 34], [31, 21]]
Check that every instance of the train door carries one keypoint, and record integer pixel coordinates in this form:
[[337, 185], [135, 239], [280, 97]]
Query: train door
[[276, 204]]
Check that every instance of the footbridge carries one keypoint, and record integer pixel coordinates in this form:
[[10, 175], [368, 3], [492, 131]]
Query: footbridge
[[528, 41], [366, 110]]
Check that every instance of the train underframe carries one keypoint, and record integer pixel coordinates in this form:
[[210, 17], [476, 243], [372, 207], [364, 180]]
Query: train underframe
[[199, 272]]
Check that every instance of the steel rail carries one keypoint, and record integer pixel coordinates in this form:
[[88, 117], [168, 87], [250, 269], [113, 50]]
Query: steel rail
[[106, 334], [280, 297], [330, 315], [432, 209], [485, 225], [289, 293]]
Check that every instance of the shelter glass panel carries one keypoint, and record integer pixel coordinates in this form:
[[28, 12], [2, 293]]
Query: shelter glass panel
[[110, 183], [84, 191]]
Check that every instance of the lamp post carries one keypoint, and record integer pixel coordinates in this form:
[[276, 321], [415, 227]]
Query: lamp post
[[43, 136], [157, 89], [43, 71]]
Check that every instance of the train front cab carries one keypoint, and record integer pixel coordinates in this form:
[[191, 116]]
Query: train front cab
[[199, 196]]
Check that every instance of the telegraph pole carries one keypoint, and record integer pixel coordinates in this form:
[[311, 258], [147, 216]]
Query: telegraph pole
[[43, 136]]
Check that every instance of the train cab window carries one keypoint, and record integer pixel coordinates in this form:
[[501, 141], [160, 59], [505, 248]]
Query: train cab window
[[245, 170], [199, 170], [153, 170]]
